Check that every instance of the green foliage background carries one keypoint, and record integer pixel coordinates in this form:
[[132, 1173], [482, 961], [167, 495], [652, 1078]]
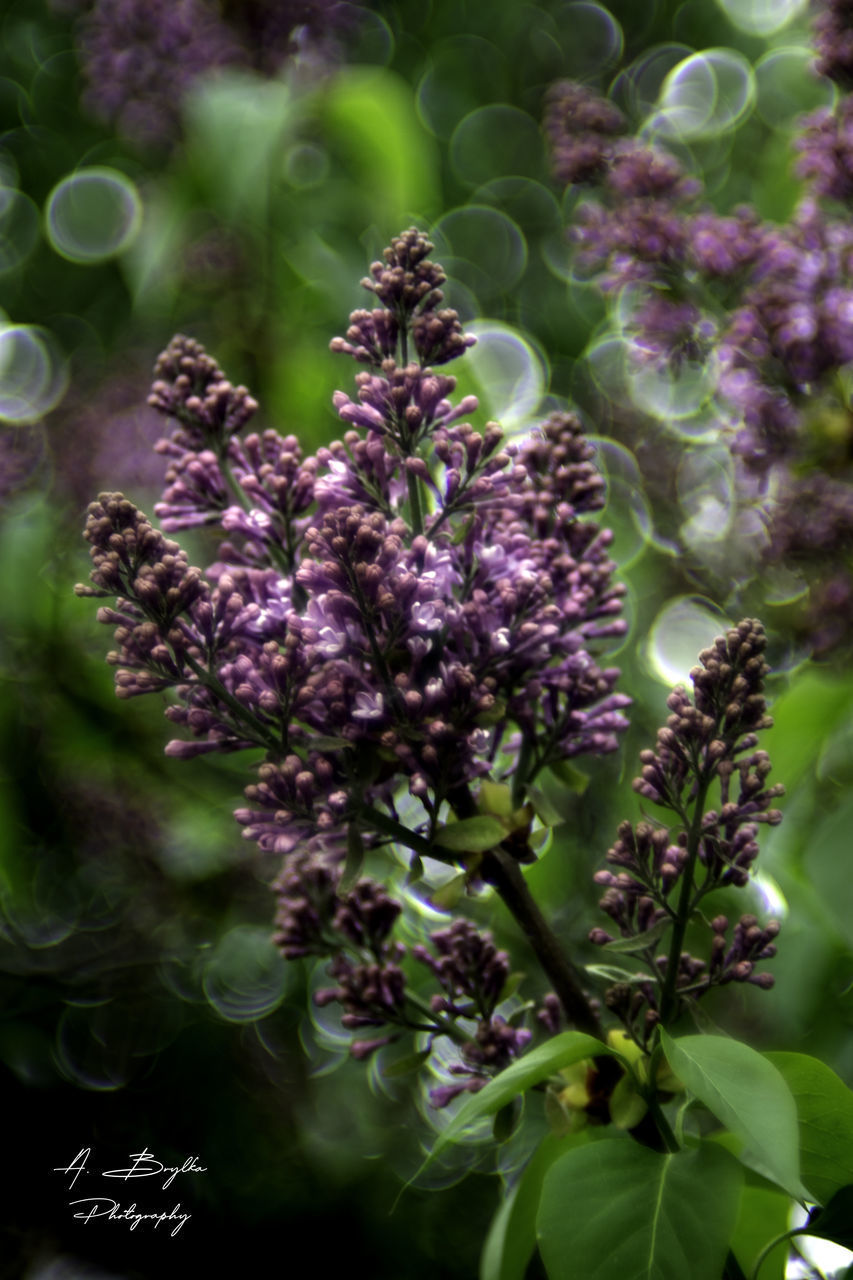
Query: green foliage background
[[142, 1002]]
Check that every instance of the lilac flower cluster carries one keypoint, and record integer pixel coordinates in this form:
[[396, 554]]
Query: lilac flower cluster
[[353, 929], [662, 873], [780, 297], [770, 305], [833, 38], [411, 609], [414, 605], [139, 57]]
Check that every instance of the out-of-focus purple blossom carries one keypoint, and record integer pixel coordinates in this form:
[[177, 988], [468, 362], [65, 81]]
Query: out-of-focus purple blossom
[[272, 30], [139, 57], [101, 435], [24, 461], [636, 240], [825, 144], [641, 172], [496, 1044], [581, 127], [670, 331], [812, 517], [793, 329], [725, 247], [833, 39]]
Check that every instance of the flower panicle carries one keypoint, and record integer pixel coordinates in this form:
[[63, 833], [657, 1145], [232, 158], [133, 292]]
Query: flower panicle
[[408, 284], [190, 387], [709, 741], [415, 608], [353, 934]]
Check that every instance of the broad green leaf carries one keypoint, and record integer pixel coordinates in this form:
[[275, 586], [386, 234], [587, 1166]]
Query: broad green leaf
[[511, 985], [749, 1096], [763, 1216], [825, 1111], [826, 864], [804, 716], [370, 114], [539, 1064], [512, 1236], [446, 896], [569, 776], [551, 814], [324, 742], [636, 946], [505, 1123], [471, 835], [406, 1065], [495, 797], [627, 1106], [835, 1222], [614, 1210]]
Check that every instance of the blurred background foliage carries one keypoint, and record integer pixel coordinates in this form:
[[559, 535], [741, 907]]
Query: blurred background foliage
[[143, 999]]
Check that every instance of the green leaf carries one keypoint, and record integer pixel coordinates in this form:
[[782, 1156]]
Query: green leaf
[[614, 1210], [804, 716], [835, 1222], [763, 1216], [825, 1112], [462, 532], [406, 1065], [566, 773], [471, 835], [552, 815], [322, 742], [612, 973], [749, 1096], [369, 114], [511, 985], [826, 864], [446, 896], [627, 1106], [542, 1062], [636, 946], [354, 861], [495, 797], [512, 1236], [505, 1122]]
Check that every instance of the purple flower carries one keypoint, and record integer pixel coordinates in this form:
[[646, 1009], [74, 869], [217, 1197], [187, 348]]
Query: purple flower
[[139, 57], [826, 151], [581, 127], [469, 967], [833, 39], [190, 388], [413, 608], [709, 739]]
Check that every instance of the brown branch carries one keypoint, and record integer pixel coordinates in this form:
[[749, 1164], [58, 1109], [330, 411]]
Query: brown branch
[[501, 870]]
